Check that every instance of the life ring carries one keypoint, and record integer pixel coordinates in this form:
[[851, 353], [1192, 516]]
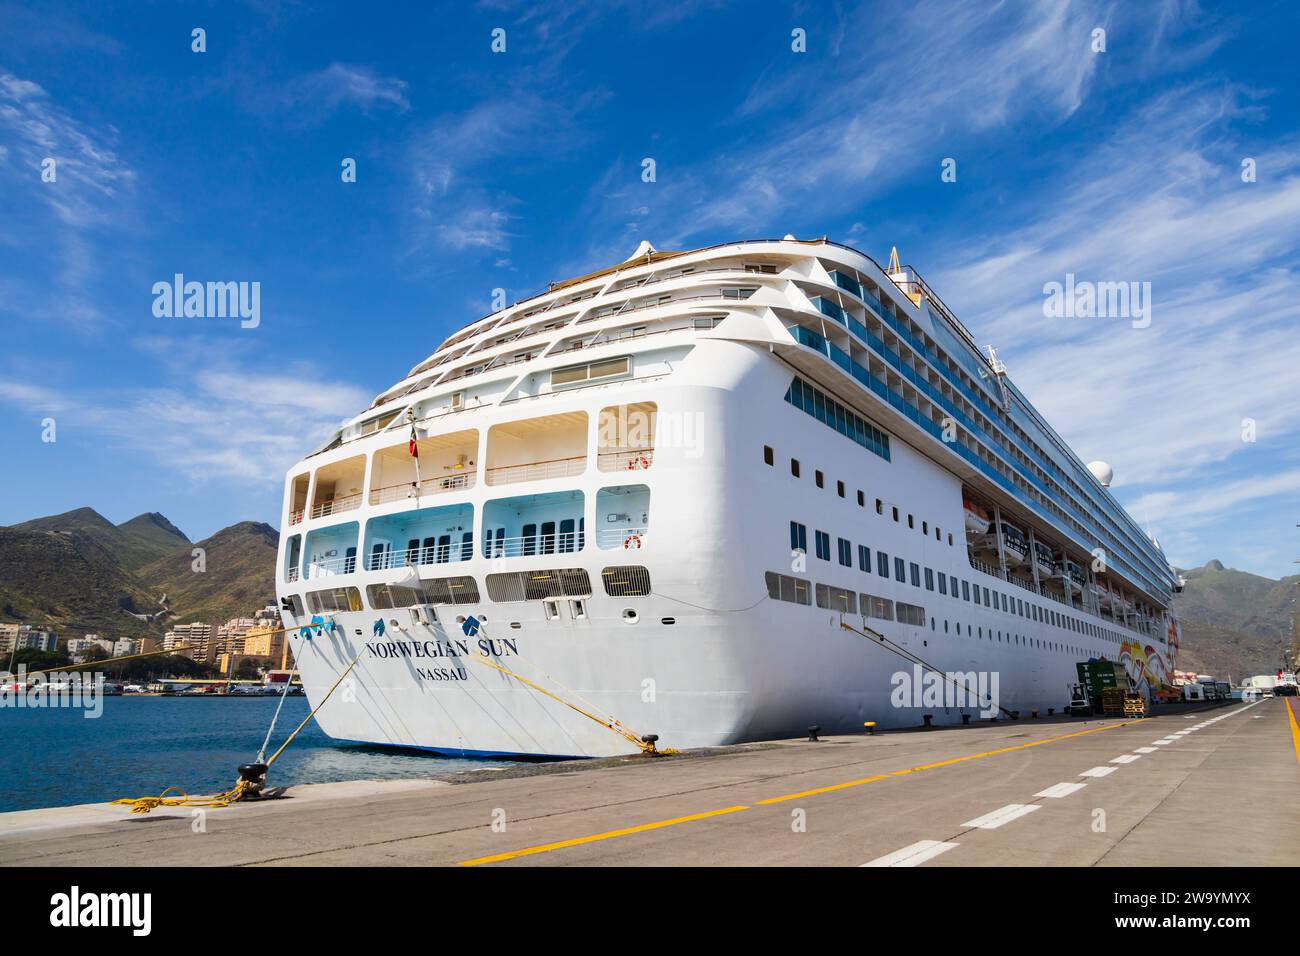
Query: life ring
[[632, 541], [638, 463]]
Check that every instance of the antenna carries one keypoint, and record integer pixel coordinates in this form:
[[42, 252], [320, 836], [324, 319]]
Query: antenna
[[894, 267]]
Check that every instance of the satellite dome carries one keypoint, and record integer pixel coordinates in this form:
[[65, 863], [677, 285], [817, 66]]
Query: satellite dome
[[788, 237], [1102, 472]]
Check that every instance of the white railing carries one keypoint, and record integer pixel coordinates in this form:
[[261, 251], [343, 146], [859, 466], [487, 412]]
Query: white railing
[[430, 486], [331, 566], [531, 545], [292, 575], [335, 505], [625, 459], [987, 568], [629, 539], [415, 557], [295, 517], [537, 470]]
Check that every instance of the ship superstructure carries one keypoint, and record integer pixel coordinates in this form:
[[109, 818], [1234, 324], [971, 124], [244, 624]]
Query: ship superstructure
[[660, 491]]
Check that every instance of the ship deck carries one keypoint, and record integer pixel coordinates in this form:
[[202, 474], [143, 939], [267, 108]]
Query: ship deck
[[1196, 785]]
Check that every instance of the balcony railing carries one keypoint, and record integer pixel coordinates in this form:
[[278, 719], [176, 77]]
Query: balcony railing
[[625, 459], [537, 470], [292, 575], [415, 557], [430, 486], [320, 569], [629, 539], [335, 505], [295, 517], [530, 545]]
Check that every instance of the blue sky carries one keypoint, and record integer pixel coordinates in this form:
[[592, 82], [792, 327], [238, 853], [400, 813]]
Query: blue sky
[[478, 170]]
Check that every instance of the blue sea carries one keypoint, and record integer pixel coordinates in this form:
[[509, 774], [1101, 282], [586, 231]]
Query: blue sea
[[141, 745]]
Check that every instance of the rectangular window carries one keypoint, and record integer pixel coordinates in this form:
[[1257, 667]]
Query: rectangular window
[[830, 412], [626, 581], [910, 614], [965, 590], [818, 475], [783, 587], [900, 570], [794, 467], [839, 488], [882, 564], [929, 579], [878, 607], [333, 599], [837, 599], [862, 500], [798, 537], [457, 590], [864, 558], [943, 583], [538, 585], [823, 545], [846, 552], [592, 370], [916, 574], [769, 456]]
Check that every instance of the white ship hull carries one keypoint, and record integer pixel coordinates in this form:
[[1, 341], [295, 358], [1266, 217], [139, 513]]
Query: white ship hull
[[708, 657]]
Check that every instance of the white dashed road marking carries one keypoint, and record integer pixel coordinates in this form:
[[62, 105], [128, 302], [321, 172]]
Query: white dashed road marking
[[913, 855], [1145, 750], [1061, 790], [1125, 758], [1098, 771], [1012, 811]]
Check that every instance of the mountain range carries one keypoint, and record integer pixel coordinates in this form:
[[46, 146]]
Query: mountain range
[[80, 573], [1235, 624]]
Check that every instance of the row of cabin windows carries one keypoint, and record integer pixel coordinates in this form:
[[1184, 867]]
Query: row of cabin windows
[[619, 581], [769, 458], [795, 590], [912, 573]]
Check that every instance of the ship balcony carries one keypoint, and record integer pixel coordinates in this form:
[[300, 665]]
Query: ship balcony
[[623, 513], [298, 489], [330, 551], [537, 449], [338, 487], [530, 525], [440, 535], [429, 486], [537, 470], [446, 463], [626, 437]]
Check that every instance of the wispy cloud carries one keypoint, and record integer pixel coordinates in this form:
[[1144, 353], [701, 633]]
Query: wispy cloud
[[315, 95], [212, 416]]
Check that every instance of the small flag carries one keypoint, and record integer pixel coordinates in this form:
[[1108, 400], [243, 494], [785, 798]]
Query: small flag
[[414, 448]]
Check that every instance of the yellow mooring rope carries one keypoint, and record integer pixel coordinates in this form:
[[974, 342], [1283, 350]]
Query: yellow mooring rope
[[240, 789]]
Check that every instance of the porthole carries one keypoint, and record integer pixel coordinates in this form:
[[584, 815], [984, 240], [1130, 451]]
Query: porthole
[[630, 616], [668, 620], [515, 625]]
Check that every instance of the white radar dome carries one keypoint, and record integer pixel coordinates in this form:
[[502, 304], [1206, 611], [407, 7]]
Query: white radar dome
[[1102, 472]]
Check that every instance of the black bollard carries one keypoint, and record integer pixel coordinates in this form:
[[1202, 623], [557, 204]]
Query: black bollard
[[812, 733], [928, 718]]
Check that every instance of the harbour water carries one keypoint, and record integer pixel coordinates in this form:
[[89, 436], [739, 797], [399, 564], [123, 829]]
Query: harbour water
[[141, 745]]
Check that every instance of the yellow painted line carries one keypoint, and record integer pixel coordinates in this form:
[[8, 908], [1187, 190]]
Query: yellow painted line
[[941, 763], [547, 847], [1295, 728], [611, 834], [838, 786]]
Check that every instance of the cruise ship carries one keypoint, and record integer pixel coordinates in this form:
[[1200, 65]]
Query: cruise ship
[[704, 497]]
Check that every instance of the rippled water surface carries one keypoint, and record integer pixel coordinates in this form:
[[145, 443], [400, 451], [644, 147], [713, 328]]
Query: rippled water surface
[[141, 745]]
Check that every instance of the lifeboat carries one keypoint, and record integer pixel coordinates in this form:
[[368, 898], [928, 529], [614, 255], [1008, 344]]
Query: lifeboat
[[1015, 546], [1048, 568], [977, 519], [1074, 574]]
